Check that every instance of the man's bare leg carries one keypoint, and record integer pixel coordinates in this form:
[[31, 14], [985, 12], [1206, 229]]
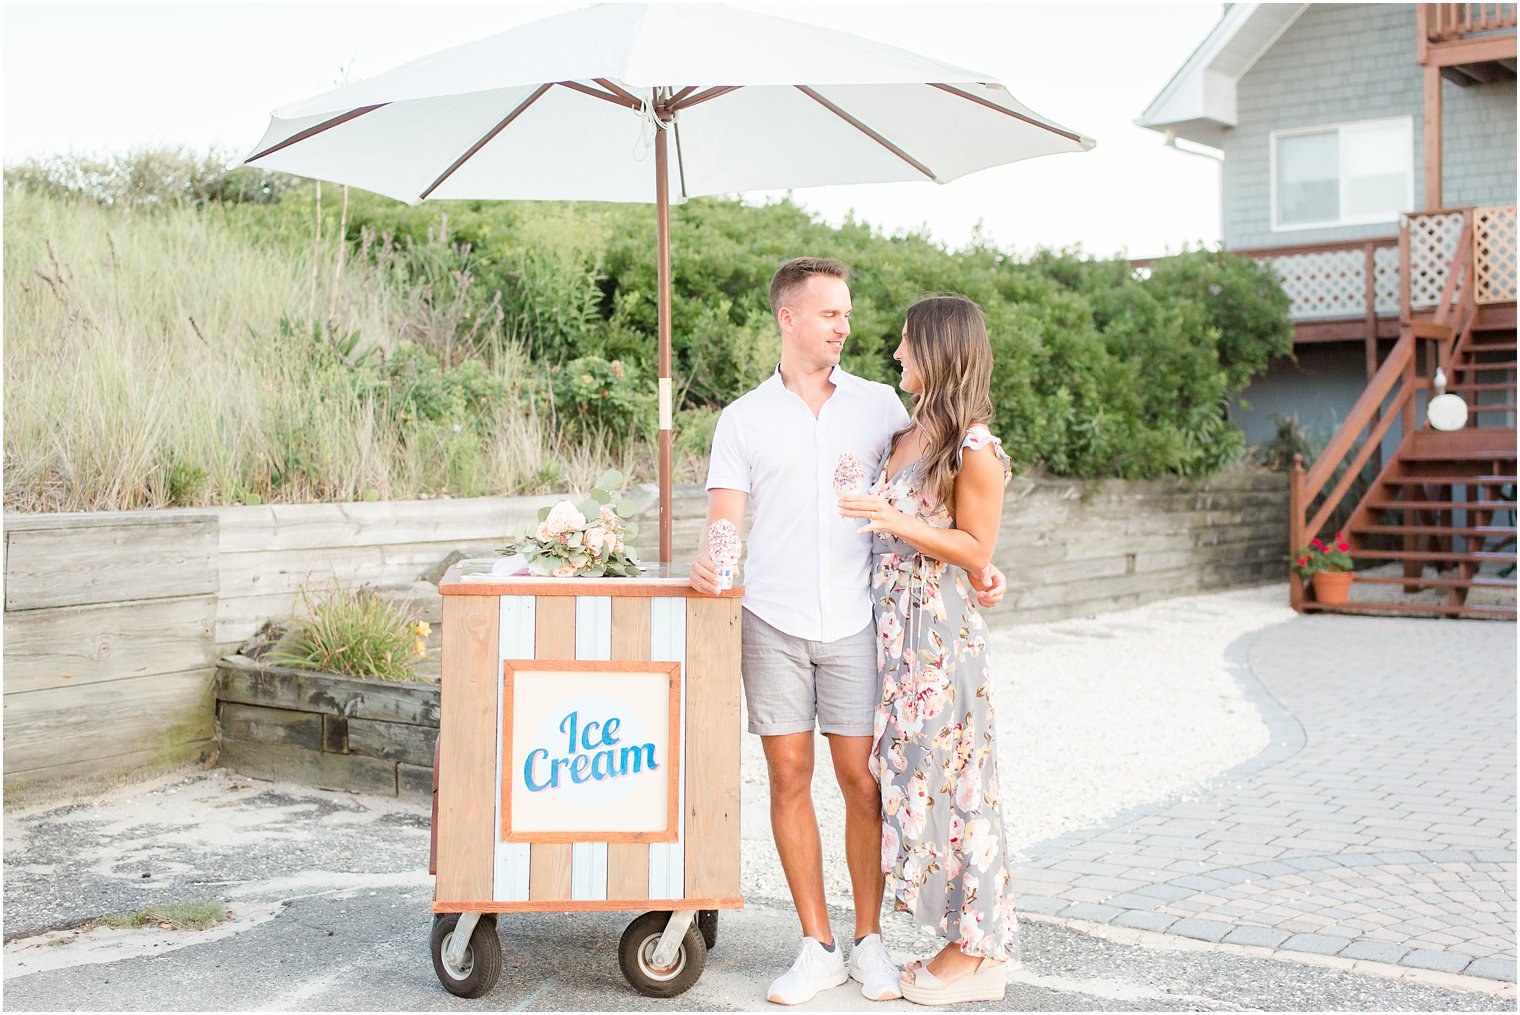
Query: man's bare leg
[[862, 827], [789, 757]]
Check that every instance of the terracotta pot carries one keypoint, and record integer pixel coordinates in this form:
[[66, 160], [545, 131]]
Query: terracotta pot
[[1333, 587]]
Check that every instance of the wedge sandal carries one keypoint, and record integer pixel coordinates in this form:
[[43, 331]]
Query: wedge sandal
[[985, 983]]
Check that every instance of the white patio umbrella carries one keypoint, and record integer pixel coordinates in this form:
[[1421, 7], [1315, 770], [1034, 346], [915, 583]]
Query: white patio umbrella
[[589, 106]]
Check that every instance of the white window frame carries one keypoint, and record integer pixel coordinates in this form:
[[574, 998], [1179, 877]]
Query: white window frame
[[1408, 124]]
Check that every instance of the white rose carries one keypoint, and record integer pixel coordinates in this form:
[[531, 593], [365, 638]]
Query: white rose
[[564, 518], [595, 537]]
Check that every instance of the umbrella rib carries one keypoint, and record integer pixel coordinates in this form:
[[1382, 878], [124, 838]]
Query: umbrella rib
[[317, 129], [1007, 112], [867, 131], [711, 93], [621, 93], [478, 145], [675, 100], [629, 103]]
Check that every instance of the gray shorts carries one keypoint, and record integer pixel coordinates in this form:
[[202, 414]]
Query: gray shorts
[[790, 682]]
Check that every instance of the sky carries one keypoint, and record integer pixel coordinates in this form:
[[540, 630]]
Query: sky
[[107, 78]]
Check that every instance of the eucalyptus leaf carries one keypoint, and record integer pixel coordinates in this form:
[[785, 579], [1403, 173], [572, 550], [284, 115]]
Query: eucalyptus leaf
[[612, 479], [543, 514], [630, 529], [601, 496], [626, 510], [589, 508]]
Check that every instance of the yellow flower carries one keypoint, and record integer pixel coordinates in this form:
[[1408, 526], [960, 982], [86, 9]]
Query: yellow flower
[[422, 629], [419, 648]]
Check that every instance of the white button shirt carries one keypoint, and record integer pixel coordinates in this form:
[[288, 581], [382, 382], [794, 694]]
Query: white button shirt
[[806, 572]]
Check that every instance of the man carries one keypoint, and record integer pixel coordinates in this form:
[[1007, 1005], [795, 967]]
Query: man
[[809, 643]]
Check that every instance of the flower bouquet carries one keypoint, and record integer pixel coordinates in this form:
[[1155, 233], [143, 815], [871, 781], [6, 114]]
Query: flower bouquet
[[585, 540]]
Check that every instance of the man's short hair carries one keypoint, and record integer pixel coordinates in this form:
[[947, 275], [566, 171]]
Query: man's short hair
[[794, 273]]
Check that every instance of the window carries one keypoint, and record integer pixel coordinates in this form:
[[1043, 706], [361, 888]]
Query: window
[[1349, 174]]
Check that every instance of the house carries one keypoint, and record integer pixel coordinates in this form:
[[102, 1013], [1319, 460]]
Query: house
[[1367, 151]]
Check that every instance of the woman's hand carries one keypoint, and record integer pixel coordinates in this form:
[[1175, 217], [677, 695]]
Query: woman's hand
[[883, 517], [990, 584]]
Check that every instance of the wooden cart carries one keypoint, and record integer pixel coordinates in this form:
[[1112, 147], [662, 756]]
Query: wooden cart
[[588, 760]]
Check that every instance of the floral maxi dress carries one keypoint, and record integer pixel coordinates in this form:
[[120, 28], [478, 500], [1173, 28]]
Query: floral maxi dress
[[935, 755]]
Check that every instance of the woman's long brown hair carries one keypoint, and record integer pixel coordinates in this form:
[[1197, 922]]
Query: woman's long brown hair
[[947, 340]]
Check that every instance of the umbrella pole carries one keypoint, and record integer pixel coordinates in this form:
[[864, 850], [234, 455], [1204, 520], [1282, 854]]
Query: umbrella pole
[[662, 232]]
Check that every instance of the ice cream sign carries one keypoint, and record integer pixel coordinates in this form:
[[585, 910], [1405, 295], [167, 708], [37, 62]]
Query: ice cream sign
[[591, 751]]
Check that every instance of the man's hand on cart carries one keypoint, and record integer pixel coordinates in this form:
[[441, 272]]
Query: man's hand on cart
[[704, 575], [722, 504]]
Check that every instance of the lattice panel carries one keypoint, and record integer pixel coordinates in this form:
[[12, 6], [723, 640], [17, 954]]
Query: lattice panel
[[1494, 254], [1432, 242], [1331, 283], [1385, 281]]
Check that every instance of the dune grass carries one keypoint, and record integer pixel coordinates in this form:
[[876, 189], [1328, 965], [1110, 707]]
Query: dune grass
[[166, 358]]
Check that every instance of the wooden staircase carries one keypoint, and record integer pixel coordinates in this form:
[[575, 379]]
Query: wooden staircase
[[1442, 509]]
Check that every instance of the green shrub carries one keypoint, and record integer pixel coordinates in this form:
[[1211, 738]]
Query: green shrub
[[152, 177], [422, 389], [474, 346], [596, 396]]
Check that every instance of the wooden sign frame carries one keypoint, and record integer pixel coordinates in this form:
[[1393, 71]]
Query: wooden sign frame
[[671, 831]]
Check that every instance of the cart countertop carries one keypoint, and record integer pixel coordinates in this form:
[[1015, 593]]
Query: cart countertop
[[657, 581]]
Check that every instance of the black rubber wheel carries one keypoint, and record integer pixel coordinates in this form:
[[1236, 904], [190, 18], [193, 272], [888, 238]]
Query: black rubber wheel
[[481, 966], [636, 952], [707, 923]]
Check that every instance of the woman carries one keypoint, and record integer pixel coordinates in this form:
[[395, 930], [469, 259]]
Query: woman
[[935, 507]]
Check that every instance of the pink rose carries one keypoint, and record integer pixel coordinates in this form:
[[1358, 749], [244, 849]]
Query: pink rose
[[968, 791]]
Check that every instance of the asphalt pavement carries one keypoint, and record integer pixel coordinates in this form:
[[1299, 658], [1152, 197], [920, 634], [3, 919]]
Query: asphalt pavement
[[331, 900]]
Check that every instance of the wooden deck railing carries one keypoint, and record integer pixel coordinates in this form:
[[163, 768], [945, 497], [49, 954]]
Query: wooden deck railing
[[1389, 396], [1396, 275], [1331, 281], [1447, 22]]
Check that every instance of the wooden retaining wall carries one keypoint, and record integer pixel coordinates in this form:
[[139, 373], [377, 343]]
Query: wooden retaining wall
[[109, 643], [1073, 547], [114, 621], [368, 736]]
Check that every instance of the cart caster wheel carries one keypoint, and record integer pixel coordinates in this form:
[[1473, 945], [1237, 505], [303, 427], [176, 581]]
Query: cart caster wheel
[[478, 971], [636, 957], [707, 923]]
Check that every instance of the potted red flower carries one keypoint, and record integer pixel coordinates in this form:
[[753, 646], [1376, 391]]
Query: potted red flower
[[1329, 567]]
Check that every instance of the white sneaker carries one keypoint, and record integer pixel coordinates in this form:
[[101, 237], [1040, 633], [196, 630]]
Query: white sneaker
[[872, 967], [816, 968]]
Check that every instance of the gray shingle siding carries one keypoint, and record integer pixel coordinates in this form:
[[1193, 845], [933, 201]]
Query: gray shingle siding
[[1479, 144], [1344, 63]]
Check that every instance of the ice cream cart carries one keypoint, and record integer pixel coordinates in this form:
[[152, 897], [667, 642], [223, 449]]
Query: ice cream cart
[[588, 760]]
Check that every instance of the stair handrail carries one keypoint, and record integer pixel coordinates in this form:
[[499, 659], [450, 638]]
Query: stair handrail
[[1467, 307], [1397, 376], [1460, 267]]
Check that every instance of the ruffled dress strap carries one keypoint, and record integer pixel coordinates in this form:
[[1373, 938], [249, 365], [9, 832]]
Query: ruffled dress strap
[[979, 437]]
